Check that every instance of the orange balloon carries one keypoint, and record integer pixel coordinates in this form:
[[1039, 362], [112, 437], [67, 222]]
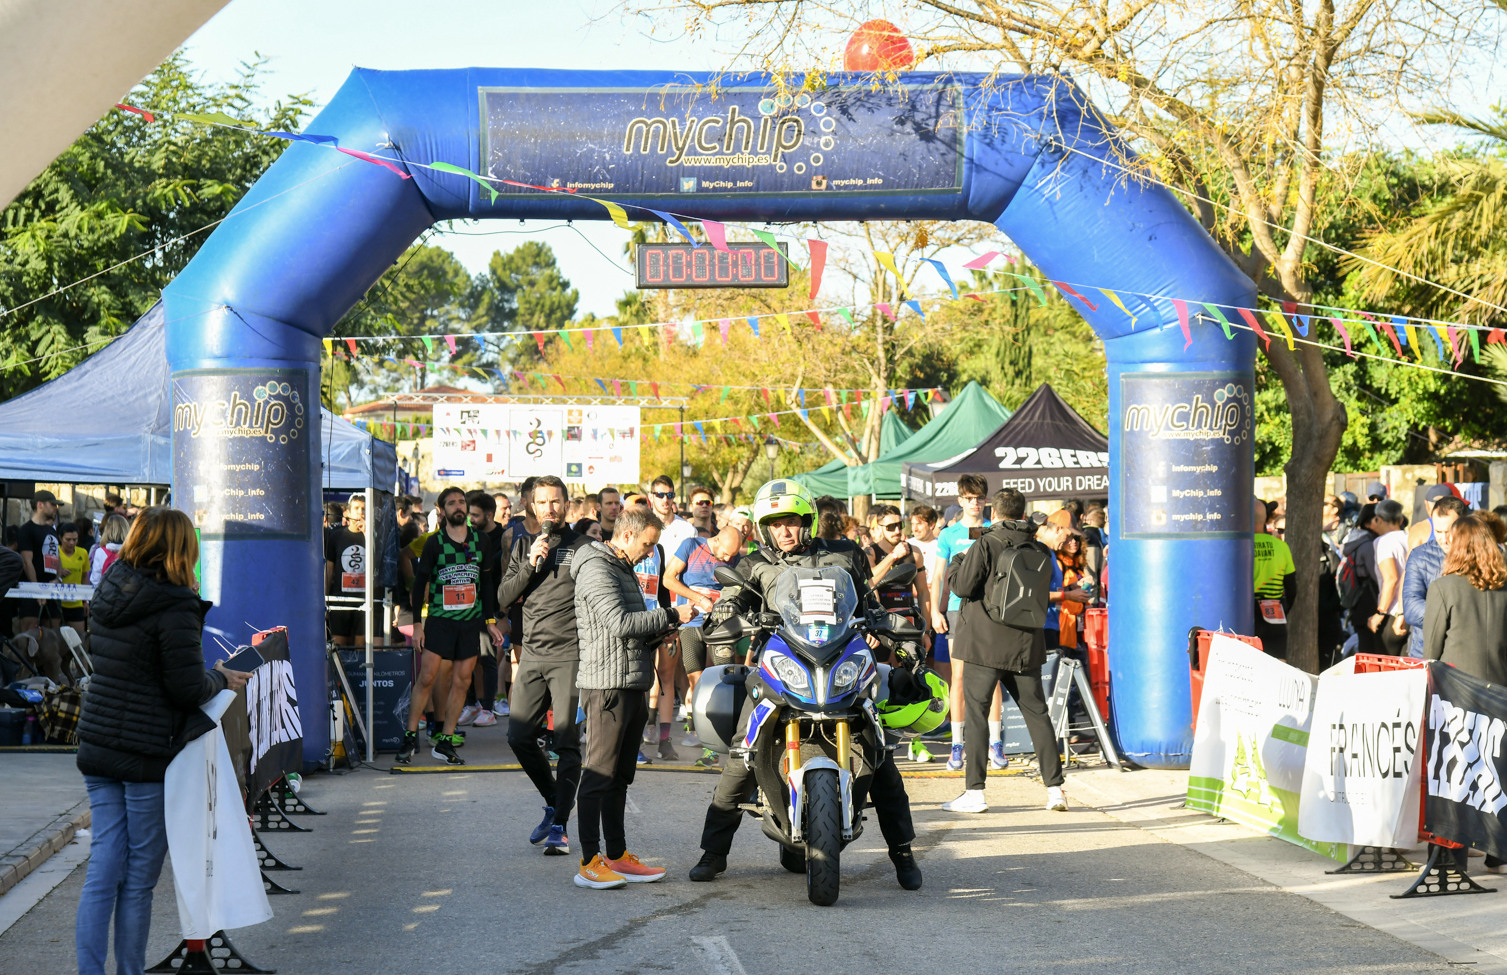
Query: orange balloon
[[878, 45]]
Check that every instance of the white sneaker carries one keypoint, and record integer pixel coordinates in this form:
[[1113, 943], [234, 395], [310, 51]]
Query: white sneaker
[[467, 714], [501, 708], [484, 719], [1056, 801], [971, 801]]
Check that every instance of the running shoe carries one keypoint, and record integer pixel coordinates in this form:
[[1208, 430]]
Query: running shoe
[[971, 801], [1056, 801], [997, 758], [643, 759], [468, 714], [445, 749], [955, 760], [690, 740], [484, 719], [541, 832], [597, 875], [918, 752], [708, 759], [501, 708], [667, 752], [633, 870], [557, 844], [409, 746]]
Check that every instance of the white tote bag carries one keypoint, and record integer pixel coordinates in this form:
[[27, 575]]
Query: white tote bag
[[215, 871]]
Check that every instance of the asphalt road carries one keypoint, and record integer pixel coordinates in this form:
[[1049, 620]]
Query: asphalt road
[[434, 873]]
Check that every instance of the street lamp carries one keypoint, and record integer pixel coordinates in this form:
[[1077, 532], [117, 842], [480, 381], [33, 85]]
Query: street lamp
[[771, 450], [685, 472]]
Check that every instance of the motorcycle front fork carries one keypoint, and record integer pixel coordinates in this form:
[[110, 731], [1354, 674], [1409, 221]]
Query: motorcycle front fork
[[842, 735]]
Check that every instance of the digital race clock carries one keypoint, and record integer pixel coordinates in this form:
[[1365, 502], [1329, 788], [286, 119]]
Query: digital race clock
[[686, 266]]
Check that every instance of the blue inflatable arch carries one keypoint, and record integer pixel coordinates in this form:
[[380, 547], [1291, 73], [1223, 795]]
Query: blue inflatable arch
[[1025, 153]]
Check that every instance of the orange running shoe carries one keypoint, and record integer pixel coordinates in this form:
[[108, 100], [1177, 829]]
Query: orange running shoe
[[599, 876], [633, 870]]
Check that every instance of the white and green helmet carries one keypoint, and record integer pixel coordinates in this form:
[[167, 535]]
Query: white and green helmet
[[779, 498]]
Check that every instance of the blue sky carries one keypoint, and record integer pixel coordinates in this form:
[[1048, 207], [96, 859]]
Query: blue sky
[[312, 46]]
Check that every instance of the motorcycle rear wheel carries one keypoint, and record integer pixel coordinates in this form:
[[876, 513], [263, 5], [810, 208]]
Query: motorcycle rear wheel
[[823, 837]]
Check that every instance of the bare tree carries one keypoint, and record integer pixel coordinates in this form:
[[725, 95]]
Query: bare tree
[[1235, 103]]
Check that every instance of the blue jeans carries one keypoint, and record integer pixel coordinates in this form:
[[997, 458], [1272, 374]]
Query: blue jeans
[[125, 859]]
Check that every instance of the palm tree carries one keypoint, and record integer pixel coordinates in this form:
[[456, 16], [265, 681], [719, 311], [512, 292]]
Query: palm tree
[[1458, 240]]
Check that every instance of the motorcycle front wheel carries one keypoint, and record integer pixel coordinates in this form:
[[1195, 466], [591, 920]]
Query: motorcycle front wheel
[[823, 833]]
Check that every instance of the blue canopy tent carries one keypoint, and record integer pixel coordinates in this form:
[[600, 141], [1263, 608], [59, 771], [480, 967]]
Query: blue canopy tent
[[109, 421]]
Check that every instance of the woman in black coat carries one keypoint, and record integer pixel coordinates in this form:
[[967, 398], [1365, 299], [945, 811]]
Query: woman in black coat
[[141, 706]]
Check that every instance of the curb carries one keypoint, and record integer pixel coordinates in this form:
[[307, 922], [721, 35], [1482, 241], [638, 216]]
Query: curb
[[35, 849]]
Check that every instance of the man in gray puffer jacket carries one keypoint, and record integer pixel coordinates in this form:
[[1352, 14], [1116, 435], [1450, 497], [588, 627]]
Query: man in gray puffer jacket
[[618, 640]]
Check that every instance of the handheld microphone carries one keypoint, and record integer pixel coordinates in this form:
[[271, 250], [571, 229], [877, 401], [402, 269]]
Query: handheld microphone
[[547, 529]]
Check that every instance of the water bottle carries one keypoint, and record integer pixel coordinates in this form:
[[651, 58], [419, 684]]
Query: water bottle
[[29, 732]]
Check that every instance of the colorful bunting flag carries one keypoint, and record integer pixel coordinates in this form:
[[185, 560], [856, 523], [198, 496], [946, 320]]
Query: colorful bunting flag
[[143, 112], [941, 270], [617, 333], [213, 118], [308, 137], [588, 334], [717, 234], [368, 157], [724, 326], [816, 319], [887, 261], [669, 218], [1182, 319], [619, 215], [351, 344], [445, 167], [753, 323], [915, 306], [774, 244], [1280, 321], [1344, 334], [1030, 282], [981, 262], [1213, 310], [539, 340], [818, 251], [450, 341], [885, 308], [1067, 289], [1255, 325]]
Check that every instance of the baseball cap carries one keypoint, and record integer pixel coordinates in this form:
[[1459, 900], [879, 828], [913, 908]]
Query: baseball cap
[[1376, 489], [1063, 519], [40, 496], [1391, 511], [1438, 491]]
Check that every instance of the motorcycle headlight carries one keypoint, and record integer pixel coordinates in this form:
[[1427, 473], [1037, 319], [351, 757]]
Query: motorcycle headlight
[[790, 673], [846, 673]]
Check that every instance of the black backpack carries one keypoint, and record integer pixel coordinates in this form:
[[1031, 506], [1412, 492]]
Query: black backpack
[[1349, 580], [1020, 581]]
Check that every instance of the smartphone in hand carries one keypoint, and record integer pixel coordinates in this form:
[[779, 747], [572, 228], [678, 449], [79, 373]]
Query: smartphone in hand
[[245, 660]]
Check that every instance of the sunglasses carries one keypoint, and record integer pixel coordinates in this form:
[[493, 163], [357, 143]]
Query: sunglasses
[[666, 495], [700, 500], [891, 526]]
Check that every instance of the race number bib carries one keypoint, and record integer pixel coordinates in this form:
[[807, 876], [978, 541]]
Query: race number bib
[[712, 594], [649, 583], [50, 561], [353, 569], [457, 598], [1272, 611], [818, 601]]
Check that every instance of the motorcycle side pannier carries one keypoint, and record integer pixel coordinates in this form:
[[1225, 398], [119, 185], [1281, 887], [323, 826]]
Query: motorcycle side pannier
[[716, 703]]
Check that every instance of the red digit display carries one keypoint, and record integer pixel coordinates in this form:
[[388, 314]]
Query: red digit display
[[686, 266]]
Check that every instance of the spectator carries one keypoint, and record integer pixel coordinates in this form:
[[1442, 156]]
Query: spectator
[[591, 507], [345, 565], [1071, 576], [525, 516], [111, 503], [1331, 610], [912, 600], [998, 654], [1074, 509], [953, 541], [492, 670], [73, 569], [39, 549], [1275, 581], [1359, 550], [575, 510], [853, 531], [676, 530], [85, 528], [111, 535], [690, 575], [142, 705], [1376, 492], [742, 519], [702, 517], [618, 639], [589, 527], [13, 538], [1424, 565], [1391, 554], [1094, 519], [334, 515], [829, 518], [612, 506], [504, 510]]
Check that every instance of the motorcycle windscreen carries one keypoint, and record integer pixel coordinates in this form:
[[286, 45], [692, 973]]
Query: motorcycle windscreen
[[816, 607]]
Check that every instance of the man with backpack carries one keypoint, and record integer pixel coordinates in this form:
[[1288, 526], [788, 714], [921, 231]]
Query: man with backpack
[[1356, 578], [1004, 581]]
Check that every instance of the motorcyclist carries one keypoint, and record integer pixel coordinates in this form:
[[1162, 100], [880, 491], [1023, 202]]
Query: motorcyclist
[[783, 514]]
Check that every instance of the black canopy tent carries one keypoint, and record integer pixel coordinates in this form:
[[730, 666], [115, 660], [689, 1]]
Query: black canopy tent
[[1045, 450]]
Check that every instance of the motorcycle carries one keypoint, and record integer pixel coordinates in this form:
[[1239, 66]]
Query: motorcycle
[[813, 736]]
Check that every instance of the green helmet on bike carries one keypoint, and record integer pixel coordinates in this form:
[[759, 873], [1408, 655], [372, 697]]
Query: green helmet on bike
[[779, 498], [913, 720]]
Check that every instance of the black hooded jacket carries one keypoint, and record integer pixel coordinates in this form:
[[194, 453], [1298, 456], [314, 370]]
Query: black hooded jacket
[[980, 639], [142, 705]]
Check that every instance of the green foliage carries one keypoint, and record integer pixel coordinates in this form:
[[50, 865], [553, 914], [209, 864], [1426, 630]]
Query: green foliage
[[126, 187], [524, 291]]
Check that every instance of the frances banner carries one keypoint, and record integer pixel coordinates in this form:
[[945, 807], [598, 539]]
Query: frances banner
[[1361, 781], [1251, 742]]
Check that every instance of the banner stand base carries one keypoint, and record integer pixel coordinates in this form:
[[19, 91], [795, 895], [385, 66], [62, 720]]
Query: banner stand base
[[289, 801], [1377, 859], [273, 887], [211, 956], [266, 858], [269, 816], [1442, 875]]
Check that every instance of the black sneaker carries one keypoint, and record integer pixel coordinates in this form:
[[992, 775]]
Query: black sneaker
[[907, 871], [667, 752], [708, 867], [445, 748], [409, 746]]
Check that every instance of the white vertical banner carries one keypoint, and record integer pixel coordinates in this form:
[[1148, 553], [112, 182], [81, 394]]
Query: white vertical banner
[[495, 442], [216, 875], [1361, 781]]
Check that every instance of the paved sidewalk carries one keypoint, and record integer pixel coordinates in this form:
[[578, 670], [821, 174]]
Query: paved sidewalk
[[1463, 929], [44, 804]]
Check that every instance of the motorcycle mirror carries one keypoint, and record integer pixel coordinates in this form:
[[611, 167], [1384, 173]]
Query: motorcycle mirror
[[901, 575], [729, 576]]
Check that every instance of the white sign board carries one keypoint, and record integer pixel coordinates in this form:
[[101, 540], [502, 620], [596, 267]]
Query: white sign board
[[1252, 738], [1361, 782], [499, 442]]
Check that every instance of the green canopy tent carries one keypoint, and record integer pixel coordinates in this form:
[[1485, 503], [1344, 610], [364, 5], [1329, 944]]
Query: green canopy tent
[[832, 478], [970, 418]]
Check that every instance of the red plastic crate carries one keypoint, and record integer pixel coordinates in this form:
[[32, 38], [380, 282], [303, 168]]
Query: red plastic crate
[[1198, 661], [1096, 628], [1376, 663], [1098, 676]]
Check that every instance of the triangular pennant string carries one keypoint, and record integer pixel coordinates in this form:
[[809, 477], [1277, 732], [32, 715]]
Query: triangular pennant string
[[617, 333], [982, 261], [539, 340], [1121, 305], [1218, 315], [619, 215], [818, 251], [1280, 321], [144, 113], [774, 245], [717, 234], [351, 344], [445, 167], [450, 342], [1067, 289], [915, 306], [565, 337], [670, 219], [941, 270], [1182, 319], [368, 157], [1344, 334], [887, 261], [1030, 282], [753, 323], [1255, 325], [724, 326]]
